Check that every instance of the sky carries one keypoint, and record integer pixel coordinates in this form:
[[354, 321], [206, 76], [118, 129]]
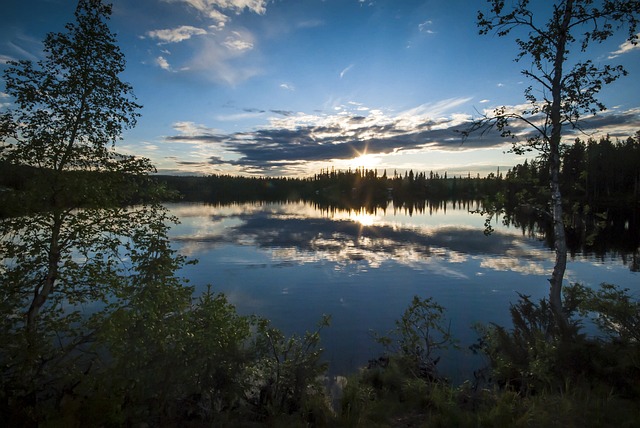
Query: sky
[[291, 87]]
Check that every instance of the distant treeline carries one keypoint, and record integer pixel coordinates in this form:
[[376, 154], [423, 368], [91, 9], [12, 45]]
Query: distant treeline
[[596, 174]]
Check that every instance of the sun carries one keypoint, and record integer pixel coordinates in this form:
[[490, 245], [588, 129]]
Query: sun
[[366, 161]]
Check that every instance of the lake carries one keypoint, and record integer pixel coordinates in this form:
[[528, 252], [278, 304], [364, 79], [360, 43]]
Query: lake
[[293, 262]]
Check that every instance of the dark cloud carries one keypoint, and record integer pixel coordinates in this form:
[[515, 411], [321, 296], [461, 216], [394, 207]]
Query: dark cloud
[[285, 113], [345, 137], [189, 163]]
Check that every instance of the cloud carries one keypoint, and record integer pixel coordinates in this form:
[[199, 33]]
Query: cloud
[[295, 138], [4, 95], [424, 27], [287, 86], [5, 59], [484, 101], [239, 41], [290, 141], [624, 48], [215, 9], [175, 35], [220, 62], [163, 63], [218, 53], [285, 113], [313, 23], [346, 70]]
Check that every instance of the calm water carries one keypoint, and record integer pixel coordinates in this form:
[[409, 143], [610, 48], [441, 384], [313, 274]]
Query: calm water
[[292, 263]]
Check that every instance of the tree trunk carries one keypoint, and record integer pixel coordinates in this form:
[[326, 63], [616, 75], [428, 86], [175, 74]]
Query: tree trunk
[[44, 289], [560, 241]]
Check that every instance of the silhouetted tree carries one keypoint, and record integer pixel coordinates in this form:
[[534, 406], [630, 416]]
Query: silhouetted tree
[[562, 92]]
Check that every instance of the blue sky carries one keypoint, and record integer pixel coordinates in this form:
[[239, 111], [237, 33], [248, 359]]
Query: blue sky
[[287, 87]]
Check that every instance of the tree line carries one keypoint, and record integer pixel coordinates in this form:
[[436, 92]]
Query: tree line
[[600, 173]]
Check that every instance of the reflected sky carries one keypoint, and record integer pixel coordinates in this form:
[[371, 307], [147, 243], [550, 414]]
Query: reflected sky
[[298, 234], [293, 262]]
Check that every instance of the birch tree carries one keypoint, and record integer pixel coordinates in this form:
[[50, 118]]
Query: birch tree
[[75, 249], [555, 38]]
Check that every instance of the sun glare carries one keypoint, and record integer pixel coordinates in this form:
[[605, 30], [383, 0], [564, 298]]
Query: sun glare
[[366, 161], [364, 219]]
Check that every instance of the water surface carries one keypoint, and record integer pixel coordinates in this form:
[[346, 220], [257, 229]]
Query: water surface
[[293, 262]]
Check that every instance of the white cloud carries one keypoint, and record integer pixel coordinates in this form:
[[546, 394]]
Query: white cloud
[[190, 129], [213, 61], [212, 8], [624, 48], [239, 42], [163, 63], [175, 35], [424, 27], [313, 23], [484, 101], [239, 116], [287, 86], [346, 70]]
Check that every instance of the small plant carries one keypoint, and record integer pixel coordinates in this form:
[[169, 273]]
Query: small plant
[[288, 373], [420, 334]]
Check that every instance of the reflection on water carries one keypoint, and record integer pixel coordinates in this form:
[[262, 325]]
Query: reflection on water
[[293, 262]]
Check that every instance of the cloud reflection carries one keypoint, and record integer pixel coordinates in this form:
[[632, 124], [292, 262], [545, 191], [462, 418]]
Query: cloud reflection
[[300, 234]]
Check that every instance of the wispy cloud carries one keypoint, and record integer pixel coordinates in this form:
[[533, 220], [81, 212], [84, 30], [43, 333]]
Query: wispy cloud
[[175, 35], [624, 48], [4, 96], [425, 27], [218, 62], [346, 70], [216, 53], [288, 86], [6, 58], [312, 23], [214, 8], [239, 41]]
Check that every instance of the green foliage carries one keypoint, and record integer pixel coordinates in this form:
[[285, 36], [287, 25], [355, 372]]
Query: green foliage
[[288, 374], [419, 335], [615, 312], [166, 361], [536, 378], [533, 358], [405, 380]]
